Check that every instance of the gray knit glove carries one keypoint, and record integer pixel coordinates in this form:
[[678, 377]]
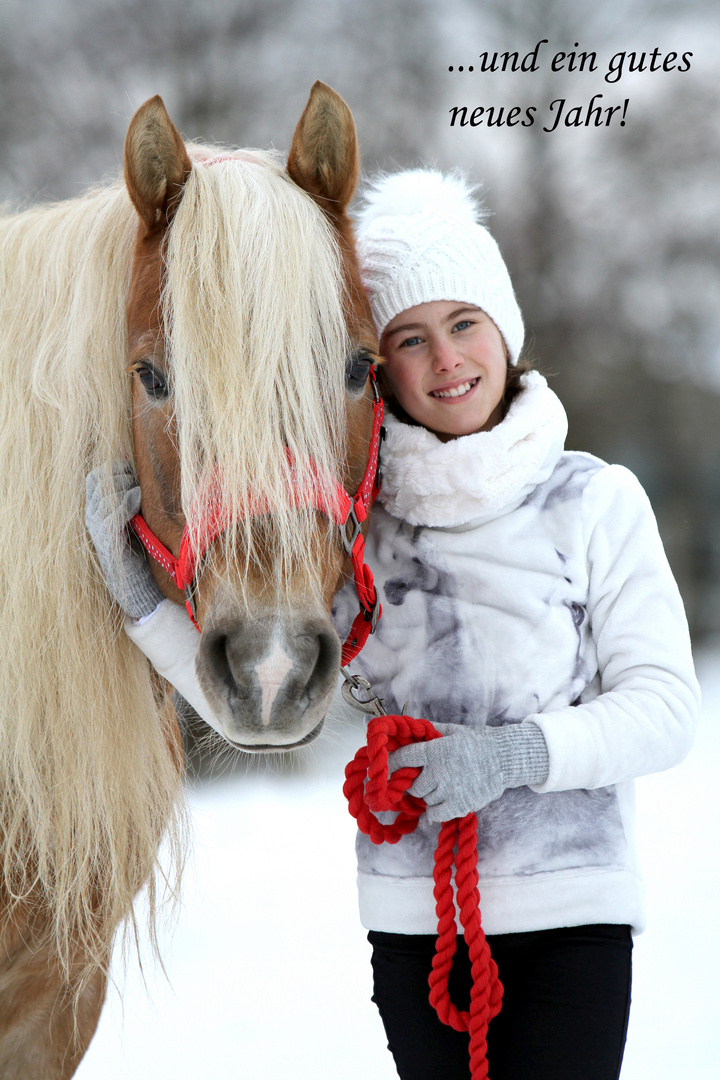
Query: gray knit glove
[[470, 767], [109, 505]]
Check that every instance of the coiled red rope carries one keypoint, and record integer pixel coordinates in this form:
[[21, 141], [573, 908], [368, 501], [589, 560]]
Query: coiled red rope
[[369, 789]]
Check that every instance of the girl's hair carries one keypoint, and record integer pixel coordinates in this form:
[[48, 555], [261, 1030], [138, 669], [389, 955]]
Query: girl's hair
[[513, 380], [513, 386]]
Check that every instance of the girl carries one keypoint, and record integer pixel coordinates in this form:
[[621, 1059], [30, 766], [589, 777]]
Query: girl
[[529, 612]]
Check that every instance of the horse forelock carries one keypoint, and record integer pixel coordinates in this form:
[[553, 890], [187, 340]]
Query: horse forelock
[[256, 338], [211, 155]]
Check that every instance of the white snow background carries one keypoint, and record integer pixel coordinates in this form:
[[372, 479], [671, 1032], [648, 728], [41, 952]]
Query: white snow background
[[268, 971]]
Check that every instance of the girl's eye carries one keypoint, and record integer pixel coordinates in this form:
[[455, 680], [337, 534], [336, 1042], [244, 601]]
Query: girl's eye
[[153, 382], [462, 325], [408, 343]]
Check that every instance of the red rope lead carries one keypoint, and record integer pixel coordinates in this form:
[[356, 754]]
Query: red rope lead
[[368, 788]]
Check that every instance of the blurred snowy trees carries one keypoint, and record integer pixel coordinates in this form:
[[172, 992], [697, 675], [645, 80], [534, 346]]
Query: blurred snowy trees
[[72, 73], [613, 239], [611, 233]]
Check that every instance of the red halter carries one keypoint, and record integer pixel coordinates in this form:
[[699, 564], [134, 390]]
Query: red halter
[[345, 512]]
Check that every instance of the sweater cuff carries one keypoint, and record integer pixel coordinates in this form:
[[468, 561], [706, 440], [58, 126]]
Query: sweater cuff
[[523, 754]]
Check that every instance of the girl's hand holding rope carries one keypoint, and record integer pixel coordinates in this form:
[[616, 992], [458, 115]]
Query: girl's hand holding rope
[[469, 767]]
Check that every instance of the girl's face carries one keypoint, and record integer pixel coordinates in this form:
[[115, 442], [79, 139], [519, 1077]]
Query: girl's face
[[446, 364]]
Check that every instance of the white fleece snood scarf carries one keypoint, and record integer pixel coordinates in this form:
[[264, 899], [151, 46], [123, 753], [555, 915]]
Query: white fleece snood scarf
[[474, 477]]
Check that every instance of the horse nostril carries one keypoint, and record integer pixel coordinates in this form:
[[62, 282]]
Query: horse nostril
[[326, 664], [216, 658]]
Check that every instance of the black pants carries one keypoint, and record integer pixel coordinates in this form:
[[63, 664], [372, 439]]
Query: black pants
[[564, 1015]]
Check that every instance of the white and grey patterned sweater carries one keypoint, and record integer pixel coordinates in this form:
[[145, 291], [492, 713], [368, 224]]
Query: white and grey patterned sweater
[[519, 581]]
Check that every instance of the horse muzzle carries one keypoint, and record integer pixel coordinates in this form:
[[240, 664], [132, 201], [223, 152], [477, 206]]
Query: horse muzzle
[[269, 678]]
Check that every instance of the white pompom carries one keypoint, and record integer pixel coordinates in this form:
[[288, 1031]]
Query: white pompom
[[415, 190]]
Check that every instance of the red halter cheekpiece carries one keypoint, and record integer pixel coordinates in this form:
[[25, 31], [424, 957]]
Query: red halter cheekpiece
[[344, 511]]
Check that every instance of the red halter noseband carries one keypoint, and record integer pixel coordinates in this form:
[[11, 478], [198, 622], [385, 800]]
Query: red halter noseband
[[345, 512]]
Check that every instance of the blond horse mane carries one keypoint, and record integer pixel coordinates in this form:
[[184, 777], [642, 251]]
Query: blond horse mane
[[88, 774]]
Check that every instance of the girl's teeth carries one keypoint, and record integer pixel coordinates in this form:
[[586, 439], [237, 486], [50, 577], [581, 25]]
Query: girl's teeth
[[457, 391]]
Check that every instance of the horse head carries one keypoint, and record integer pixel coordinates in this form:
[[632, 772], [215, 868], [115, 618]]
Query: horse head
[[250, 345]]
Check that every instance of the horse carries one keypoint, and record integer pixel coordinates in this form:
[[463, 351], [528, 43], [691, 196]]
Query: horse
[[201, 317]]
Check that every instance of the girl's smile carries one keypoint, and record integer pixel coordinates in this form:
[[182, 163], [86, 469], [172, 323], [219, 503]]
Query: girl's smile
[[455, 392], [446, 364]]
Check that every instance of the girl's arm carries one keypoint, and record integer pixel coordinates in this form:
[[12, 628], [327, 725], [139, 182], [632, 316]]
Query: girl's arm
[[159, 628], [644, 718], [170, 642]]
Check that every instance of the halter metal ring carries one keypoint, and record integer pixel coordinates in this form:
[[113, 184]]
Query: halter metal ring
[[356, 527]]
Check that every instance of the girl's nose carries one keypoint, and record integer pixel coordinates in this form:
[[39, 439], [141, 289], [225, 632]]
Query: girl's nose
[[445, 356]]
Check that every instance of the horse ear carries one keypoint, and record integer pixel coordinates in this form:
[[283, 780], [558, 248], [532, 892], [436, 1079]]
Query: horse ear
[[324, 158], [156, 163]]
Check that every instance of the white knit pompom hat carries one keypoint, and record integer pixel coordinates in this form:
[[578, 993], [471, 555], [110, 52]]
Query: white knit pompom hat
[[420, 238]]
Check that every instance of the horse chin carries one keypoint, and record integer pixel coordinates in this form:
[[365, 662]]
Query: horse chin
[[251, 740], [277, 748]]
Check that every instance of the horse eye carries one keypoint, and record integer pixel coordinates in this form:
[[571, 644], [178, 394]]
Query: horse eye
[[153, 382], [357, 368]]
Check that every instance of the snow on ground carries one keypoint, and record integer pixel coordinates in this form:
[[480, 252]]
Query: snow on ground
[[268, 972], [674, 1029]]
